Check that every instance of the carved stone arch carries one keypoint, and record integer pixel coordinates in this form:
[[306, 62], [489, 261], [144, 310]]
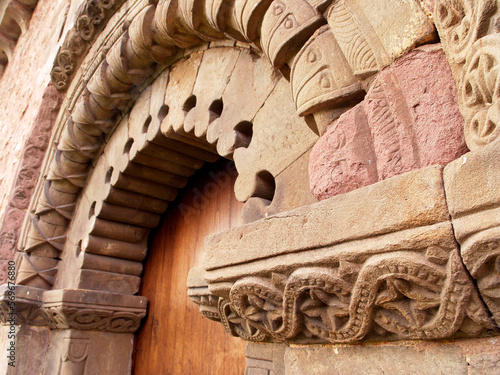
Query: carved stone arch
[[379, 263], [161, 142]]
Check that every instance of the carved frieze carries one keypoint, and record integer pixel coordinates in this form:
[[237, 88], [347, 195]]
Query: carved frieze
[[331, 284], [91, 19]]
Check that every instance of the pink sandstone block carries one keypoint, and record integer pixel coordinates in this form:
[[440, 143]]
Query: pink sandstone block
[[409, 119]]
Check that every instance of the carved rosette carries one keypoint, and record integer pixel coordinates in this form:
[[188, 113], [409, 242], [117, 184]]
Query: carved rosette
[[469, 33]]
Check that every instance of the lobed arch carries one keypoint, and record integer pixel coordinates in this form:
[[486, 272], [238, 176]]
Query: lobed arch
[[122, 76]]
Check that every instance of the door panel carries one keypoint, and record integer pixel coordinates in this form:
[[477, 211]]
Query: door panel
[[175, 337]]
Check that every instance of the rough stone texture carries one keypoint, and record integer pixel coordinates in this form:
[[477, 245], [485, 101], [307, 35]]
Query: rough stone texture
[[29, 340], [21, 98], [373, 25], [409, 119], [77, 352], [410, 200], [28, 173], [272, 149], [467, 357], [439, 358]]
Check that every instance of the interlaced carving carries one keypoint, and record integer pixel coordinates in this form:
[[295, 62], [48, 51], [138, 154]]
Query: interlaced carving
[[469, 33], [91, 19], [403, 296]]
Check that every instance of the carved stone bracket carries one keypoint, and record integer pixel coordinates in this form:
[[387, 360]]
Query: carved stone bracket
[[397, 275], [73, 309]]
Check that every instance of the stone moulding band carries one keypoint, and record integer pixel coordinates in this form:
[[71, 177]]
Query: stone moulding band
[[73, 309]]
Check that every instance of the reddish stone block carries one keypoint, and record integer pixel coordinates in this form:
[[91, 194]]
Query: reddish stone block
[[409, 119], [343, 158], [9, 232]]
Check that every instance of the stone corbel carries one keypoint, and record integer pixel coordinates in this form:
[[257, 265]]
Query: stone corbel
[[378, 263]]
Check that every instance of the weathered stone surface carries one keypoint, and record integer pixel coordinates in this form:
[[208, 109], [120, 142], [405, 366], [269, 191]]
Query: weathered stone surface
[[214, 73], [272, 149], [29, 340], [343, 159], [251, 82], [409, 119], [292, 191], [471, 185], [77, 352], [286, 27], [375, 360], [321, 77], [373, 26], [411, 200]]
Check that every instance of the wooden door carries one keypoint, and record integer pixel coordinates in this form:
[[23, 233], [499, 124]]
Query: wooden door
[[175, 338]]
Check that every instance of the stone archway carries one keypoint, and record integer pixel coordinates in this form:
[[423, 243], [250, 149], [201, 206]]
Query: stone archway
[[77, 213]]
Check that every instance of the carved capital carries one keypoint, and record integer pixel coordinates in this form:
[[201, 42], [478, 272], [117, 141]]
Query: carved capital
[[72, 309]]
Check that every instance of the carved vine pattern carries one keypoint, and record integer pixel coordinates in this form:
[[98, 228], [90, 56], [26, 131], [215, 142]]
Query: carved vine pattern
[[404, 296]]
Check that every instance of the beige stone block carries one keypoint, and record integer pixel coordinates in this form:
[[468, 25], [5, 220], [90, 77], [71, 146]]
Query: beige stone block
[[321, 78], [411, 200], [472, 181], [215, 71], [251, 82], [382, 31], [286, 26], [272, 149], [79, 352], [361, 360], [471, 184], [292, 191], [178, 96]]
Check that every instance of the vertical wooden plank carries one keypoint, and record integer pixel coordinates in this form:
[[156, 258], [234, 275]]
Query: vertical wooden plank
[[175, 338]]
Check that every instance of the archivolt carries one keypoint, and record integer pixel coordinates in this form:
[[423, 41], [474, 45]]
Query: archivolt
[[154, 39]]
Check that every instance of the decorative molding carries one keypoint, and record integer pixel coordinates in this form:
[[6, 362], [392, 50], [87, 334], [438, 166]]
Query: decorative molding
[[74, 309], [267, 301], [388, 279], [91, 19]]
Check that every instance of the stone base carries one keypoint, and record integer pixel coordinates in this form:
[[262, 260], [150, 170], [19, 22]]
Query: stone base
[[458, 357]]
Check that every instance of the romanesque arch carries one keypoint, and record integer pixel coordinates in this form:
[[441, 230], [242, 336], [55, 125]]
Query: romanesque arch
[[170, 85]]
